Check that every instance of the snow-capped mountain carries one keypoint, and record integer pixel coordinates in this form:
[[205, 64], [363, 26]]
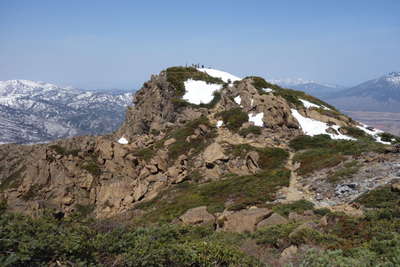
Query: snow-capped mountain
[[32, 112], [314, 88], [380, 94]]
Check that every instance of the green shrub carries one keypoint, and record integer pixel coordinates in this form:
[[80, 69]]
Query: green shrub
[[269, 158], [298, 206], [241, 191], [381, 197], [356, 133], [256, 130], [63, 151], [322, 152], [44, 241], [177, 76], [181, 146], [274, 235], [92, 167], [234, 118], [145, 153], [388, 137], [317, 159], [14, 180]]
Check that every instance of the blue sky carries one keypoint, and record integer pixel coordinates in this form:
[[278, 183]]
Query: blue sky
[[118, 44]]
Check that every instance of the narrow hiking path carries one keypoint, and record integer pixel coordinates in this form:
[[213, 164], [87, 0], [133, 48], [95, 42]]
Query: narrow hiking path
[[295, 191]]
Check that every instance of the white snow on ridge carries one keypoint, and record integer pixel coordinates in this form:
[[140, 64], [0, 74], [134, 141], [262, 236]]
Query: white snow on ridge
[[123, 141], [238, 100], [374, 133], [313, 127], [225, 76], [257, 119], [268, 90], [198, 92], [308, 104]]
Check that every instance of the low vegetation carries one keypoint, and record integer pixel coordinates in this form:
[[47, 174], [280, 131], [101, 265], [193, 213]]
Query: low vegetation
[[183, 146], [241, 191], [255, 130], [234, 118], [177, 76], [64, 151], [298, 206], [381, 197], [46, 241], [292, 96], [388, 137], [319, 152], [269, 158]]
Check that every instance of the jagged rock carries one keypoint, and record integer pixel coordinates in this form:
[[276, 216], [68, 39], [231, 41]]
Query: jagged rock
[[396, 187], [169, 141], [140, 190], [288, 253], [111, 176], [198, 215], [213, 153], [274, 219], [245, 220], [252, 161]]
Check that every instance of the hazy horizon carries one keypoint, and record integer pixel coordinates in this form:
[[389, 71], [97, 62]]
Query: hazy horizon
[[119, 44]]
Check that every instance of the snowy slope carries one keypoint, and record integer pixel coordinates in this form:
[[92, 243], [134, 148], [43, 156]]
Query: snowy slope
[[33, 112]]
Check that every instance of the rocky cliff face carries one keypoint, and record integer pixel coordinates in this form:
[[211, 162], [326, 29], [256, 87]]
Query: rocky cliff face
[[166, 140]]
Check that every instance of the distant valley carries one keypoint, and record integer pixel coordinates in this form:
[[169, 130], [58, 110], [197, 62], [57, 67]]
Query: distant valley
[[375, 102]]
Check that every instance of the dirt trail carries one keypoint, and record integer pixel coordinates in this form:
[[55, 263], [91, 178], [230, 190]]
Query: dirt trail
[[295, 191]]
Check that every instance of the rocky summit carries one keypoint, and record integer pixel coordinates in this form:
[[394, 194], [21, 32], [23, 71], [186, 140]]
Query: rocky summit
[[203, 147]]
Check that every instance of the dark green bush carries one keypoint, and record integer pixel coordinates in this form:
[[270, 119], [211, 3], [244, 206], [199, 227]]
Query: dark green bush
[[388, 137], [256, 130], [234, 118], [64, 151], [44, 241], [177, 76], [92, 167], [298, 206]]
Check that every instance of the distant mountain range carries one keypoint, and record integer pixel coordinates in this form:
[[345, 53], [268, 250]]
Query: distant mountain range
[[379, 95], [32, 112], [314, 88]]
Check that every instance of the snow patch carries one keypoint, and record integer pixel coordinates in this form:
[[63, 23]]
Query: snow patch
[[198, 92], [308, 104], [238, 100], [313, 127], [268, 90], [257, 119], [219, 123], [123, 141], [225, 76], [374, 133]]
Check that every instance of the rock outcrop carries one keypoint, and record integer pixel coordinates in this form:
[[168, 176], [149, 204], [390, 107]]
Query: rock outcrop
[[165, 140]]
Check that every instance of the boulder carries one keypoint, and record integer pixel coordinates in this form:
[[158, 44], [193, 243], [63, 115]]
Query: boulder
[[169, 141], [196, 216], [396, 187], [274, 219], [213, 153], [245, 220], [288, 253]]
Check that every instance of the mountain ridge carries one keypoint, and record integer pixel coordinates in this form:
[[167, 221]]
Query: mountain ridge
[[53, 112]]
